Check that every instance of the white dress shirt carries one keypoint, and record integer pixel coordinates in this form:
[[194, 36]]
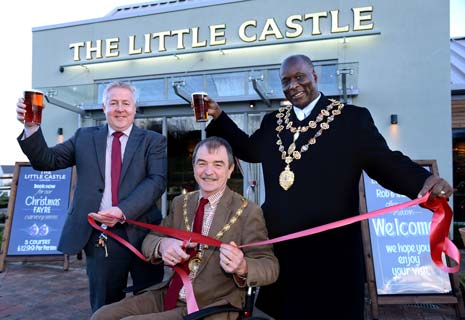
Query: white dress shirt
[[106, 198], [301, 114]]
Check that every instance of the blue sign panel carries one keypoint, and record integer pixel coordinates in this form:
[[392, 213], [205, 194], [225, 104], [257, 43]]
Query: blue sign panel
[[400, 246], [40, 211]]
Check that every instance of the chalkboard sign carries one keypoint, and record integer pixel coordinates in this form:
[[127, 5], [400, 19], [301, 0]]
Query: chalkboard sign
[[398, 258], [400, 245], [37, 211]]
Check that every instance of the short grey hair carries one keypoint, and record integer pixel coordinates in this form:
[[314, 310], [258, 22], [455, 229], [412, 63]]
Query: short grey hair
[[214, 143], [119, 84]]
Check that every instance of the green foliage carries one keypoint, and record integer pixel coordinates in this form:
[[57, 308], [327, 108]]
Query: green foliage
[[4, 200]]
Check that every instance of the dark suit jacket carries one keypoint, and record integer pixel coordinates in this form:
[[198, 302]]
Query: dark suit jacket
[[325, 190], [212, 286], [142, 182]]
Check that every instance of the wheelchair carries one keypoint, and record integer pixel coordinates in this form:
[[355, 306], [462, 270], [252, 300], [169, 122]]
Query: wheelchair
[[245, 313]]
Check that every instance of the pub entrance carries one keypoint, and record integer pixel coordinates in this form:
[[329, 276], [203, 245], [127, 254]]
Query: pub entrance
[[183, 133]]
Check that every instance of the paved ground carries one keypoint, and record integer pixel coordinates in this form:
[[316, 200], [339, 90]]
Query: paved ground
[[43, 291]]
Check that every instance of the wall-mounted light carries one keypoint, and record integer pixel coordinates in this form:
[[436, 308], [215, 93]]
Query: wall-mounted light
[[60, 135], [394, 119], [252, 104]]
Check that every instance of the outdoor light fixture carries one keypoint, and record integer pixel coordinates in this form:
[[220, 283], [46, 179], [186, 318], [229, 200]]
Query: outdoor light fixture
[[60, 135], [394, 119], [252, 104]]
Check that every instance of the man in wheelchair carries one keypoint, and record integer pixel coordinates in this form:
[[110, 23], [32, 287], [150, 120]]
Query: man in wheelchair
[[220, 276]]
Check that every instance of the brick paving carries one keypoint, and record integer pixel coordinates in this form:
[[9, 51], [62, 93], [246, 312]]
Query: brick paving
[[43, 291]]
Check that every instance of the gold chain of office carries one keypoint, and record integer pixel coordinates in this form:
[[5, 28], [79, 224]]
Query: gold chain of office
[[287, 177], [194, 263]]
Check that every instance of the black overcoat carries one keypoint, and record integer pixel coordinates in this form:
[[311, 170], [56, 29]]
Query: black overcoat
[[322, 276]]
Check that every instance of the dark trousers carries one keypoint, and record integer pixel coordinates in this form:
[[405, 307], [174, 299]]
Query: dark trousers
[[108, 276]]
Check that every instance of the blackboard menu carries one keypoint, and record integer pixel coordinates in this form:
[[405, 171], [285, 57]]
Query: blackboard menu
[[400, 245], [40, 210]]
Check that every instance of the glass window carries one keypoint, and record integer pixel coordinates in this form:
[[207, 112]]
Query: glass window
[[227, 84], [151, 90]]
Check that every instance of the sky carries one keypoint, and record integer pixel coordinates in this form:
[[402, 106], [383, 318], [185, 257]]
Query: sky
[[16, 50]]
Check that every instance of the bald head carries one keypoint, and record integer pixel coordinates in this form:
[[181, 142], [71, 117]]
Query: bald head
[[299, 80], [297, 57]]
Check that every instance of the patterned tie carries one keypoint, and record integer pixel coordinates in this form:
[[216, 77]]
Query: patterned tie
[[172, 294], [116, 163]]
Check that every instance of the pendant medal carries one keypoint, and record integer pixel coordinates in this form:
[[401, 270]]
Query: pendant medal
[[194, 264], [286, 178]]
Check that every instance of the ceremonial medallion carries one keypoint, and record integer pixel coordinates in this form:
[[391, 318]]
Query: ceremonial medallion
[[286, 178], [194, 264]]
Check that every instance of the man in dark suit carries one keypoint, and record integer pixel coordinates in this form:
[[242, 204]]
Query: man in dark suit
[[142, 180], [313, 154], [221, 275]]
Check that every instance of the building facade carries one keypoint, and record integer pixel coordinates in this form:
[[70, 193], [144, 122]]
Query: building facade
[[389, 56]]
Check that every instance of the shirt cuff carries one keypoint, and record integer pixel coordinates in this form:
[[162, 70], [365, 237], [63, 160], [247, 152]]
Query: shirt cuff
[[27, 132], [156, 253]]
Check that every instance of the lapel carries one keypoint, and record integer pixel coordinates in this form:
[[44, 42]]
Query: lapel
[[100, 144], [134, 140], [192, 204], [222, 215]]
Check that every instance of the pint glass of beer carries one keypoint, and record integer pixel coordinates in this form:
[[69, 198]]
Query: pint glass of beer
[[200, 107], [34, 101]]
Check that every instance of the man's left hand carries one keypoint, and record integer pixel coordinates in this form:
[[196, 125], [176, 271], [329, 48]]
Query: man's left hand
[[110, 216], [232, 259], [438, 187]]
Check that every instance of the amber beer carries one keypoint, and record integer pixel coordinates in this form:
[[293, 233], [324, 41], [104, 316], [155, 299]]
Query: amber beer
[[34, 101], [200, 107]]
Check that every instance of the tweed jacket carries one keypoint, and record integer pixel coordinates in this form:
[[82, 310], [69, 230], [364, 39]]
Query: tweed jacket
[[213, 286]]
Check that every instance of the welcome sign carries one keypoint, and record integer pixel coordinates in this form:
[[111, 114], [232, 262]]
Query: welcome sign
[[400, 246]]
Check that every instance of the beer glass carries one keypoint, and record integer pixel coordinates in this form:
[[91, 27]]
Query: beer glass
[[200, 107], [34, 101]]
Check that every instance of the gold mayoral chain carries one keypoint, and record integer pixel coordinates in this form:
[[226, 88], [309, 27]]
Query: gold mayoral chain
[[286, 178], [194, 263]]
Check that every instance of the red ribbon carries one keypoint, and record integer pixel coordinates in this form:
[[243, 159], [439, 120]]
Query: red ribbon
[[439, 241]]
